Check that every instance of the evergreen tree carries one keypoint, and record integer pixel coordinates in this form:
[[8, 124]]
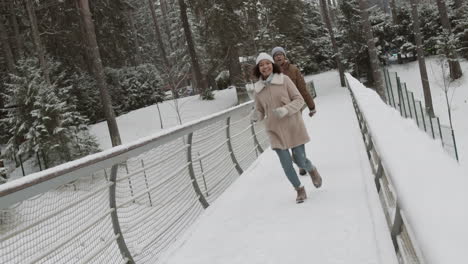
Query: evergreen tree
[[430, 27], [42, 121], [351, 40], [454, 64], [86, 95], [331, 32], [383, 32], [294, 25], [421, 59], [286, 28], [318, 53], [460, 29], [404, 37], [201, 83], [446, 43], [377, 76], [132, 88], [223, 30]]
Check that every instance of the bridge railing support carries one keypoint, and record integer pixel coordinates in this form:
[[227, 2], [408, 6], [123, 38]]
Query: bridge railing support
[[127, 204], [402, 236]]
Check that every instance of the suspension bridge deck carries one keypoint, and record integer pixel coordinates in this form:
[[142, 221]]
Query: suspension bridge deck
[[257, 221]]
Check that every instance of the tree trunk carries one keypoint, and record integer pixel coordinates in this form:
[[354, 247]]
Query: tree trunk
[[158, 35], [18, 38], [230, 47], [393, 7], [374, 60], [83, 37], [99, 72], [37, 40], [356, 67], [421, 59], [164, 12], [253, 27], [136, 42], [454, 65], [331, 13], [201, 83], [236, 77], [336, 51], [443, 14], [6, 47], [385, 6]]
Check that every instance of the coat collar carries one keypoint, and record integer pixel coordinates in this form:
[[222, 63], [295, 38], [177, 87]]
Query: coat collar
[[285, 67], [277, 79]]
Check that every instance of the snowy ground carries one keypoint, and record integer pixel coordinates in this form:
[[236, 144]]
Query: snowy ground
[[145, 121], [458, 92], [257, 221]]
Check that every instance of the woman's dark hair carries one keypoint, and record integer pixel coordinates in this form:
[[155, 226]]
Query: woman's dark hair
[[257, 73]]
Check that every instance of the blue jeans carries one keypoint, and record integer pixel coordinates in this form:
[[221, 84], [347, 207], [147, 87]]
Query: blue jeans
[[287, 163]]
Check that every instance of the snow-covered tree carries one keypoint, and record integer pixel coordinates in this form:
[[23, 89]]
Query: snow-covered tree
[[294, 25], [351, 40], [42, 121], [319, 55], [84, 90], [383, 30], [421, 59], [200, 80], [327, 18], [430, 27], [460, 29], [454, 64], [283, 24], [134, 87]]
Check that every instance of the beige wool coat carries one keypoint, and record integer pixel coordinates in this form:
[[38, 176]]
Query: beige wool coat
[[289, 131]]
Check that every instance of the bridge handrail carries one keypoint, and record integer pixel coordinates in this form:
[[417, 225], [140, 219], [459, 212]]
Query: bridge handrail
[[427, 223], [401, 233], [129, 203], [28, 186]]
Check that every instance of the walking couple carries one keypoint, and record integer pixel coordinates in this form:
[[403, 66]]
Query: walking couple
[[280, 95]]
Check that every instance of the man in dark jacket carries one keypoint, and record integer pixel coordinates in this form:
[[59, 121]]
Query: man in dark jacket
[[291, 70]]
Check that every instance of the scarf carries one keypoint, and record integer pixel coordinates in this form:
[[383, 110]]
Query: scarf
[[268, 80]]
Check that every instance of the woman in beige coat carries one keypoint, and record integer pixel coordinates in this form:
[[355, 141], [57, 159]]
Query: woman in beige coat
[[278, 103]]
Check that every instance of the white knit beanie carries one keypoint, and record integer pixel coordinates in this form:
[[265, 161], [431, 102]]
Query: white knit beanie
[[276, 50], [264, 56]]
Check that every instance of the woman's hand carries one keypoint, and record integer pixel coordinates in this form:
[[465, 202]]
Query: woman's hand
[[256, 116], [280, 112]]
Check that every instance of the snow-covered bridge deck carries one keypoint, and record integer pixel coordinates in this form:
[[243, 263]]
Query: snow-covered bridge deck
[[257, 220], [133, 203]]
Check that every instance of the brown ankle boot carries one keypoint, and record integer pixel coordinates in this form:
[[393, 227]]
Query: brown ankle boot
[[316, 178], [301, 194]]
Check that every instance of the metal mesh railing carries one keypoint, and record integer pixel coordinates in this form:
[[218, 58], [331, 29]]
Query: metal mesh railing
[[402, 99], [403, 240], [127, 204]]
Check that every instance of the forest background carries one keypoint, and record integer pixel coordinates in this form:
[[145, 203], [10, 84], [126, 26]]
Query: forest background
[[66, 64]]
